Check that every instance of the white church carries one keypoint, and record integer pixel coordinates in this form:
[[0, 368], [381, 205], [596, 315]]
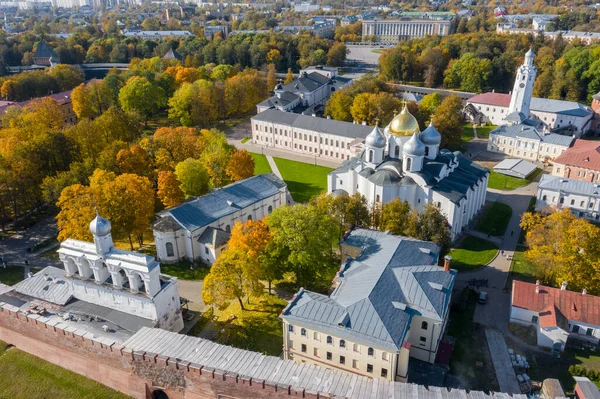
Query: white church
[[403, 162], [127, 282]]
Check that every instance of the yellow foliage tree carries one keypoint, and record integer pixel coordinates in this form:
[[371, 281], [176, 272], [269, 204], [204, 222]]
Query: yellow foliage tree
[[169, 192], [240, 165], [76, 204]]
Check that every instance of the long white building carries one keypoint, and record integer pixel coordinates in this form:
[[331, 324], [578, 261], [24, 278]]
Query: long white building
[[582, 198], [404, 163], [394, 30]]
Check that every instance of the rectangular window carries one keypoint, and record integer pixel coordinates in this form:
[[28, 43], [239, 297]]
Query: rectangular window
[[355, 364], [342, 360], [369, 368], [384, 373], [303, 348], [589, 332], [423, 339], [290, 328], [326, 142], [316, 352], [305, 136], [206, 250], [329, 356], [295, 135]]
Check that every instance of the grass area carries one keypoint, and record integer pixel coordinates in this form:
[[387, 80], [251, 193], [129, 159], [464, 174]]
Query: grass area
[[45, 244], [261, 165], [483, 132], [26, 376], [470, 347], [183, 270], [246, 139], [520, 269], [11, 275], [257, 328], [472, 253], [303, 180], [467, 134], [51, 254], [494, 219], [525, 333], [503, 182]]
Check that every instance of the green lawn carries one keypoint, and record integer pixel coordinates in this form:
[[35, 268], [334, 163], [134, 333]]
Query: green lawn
[[28, 377], [182, 270], [303, 179], [503, 182], [483, 132], [11, 275], [246, 139], [520, 269], [494, 219], [467, 134], [473, 253], [257, 328], [261, 165]]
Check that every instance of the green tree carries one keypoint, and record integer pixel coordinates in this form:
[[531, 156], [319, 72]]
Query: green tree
[[140, 95], [337, 54], [373, 107], [448, 119], [227, 280], [193, 104], [193, 177], [398, 217], [469, 73], [432, 225]]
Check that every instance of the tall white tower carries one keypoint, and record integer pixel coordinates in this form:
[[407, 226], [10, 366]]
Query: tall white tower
[[520, 99]]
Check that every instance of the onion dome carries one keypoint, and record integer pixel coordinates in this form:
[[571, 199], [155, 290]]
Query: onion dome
[[430, 135], [414, 146], [404, 124], [376, 138], [100, 227]]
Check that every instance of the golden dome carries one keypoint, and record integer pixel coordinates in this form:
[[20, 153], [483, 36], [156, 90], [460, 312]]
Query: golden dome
[[404, 124]]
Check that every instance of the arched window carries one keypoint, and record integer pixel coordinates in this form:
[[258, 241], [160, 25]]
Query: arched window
[[424, 325], [270, 209], [249, 217], [228, 228], [329, 340], [342, 343], [377, 198], [169, 248], [397, 152], [316, 336], [370, 155], [544, 198], [124, 279], [356, 348], [426, 150], [370, 352], [408, 164], [303, 332], [384, 356]]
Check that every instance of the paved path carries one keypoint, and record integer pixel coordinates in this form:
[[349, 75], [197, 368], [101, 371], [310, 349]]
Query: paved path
[[14, 248], [505, 374], [273, 166]]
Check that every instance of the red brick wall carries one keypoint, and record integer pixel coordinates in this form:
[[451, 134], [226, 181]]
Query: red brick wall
[[135, 374], [571, 173]]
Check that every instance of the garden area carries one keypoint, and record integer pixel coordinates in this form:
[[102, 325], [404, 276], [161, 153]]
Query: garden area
[[472, 253], [26, 376], [483, 132], [499, 181], [303, 180], [494, 219]]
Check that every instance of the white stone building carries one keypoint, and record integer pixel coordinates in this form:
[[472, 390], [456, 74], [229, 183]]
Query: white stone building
[[527, 142], [582, 198], [309, 135], [390, 302], [394, 30], [557, 116], [198, 230], [125, 281], [404, 163], [556, 313]]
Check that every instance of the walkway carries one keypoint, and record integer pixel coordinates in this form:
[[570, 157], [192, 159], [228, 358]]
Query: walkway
[[505, 374], [13, 249], [273, 166]]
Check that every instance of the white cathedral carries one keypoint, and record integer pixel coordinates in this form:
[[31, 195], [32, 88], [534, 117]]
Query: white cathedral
[[403, 162]]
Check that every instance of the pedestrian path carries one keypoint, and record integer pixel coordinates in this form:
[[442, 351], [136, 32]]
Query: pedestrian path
[[273, 166], [505, 374], [479, 234]]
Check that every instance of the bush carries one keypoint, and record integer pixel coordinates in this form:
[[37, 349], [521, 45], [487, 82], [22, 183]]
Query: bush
[[582, 371]]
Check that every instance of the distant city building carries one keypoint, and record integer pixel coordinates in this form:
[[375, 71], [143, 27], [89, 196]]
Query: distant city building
[[582, 198], [173, 55], [156, 34], [390, 301], [63, 99], [394, 30], [539, 28], [305, 7], [556, 313], [437, 15], [579, 162], [212, 30], [198, 230], [403, 162], [308, 135]]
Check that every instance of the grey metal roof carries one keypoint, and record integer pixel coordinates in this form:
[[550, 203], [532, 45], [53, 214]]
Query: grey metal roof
[[216, 237], [125, 321], [309, 82], [530, 132], [389, 271], [384, 178], [588, 388], [226, 200], [559, 106], [571, 186], [48, 284], [515, 167], [312, 123], [43, 50], [5, 288], [166, 224], [284, 99], [327, 382]]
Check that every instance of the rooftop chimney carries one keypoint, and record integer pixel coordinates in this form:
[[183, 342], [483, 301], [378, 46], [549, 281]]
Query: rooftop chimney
[[447, 260], [563, 286], [584, 292], [364, 123]]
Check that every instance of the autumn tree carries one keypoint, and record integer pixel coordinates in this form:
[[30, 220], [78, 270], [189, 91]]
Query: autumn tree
[[227, 280], [76, 204], [193, 177], [289, 77], [92, 99], [371, 107], [215, 156], [140, 95], [67, 76], [346, 210], [240, 165], [337, 55], [169, 191], [448, 119], [193, 104], [303, 237], [135, 160], [271, 77], [172, 145], [432, 225], [398, 217]]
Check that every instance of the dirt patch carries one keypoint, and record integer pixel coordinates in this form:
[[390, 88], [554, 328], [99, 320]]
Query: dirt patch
[[526, 333]]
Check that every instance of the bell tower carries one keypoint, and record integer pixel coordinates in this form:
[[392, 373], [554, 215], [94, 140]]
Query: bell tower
[[520, 99]]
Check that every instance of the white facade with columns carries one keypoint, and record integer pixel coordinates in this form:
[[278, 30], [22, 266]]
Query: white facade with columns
[[125, 281], [404, 163], [394, 30]]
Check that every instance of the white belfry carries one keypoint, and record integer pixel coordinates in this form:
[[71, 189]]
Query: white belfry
[[520, 99]]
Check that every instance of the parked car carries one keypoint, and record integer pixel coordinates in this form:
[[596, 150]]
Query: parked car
[[482, 297]]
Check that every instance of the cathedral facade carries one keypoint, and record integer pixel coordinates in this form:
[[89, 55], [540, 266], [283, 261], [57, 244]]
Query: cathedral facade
[[403, 162]]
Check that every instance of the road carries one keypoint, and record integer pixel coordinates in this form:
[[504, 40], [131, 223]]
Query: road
[[14, 248]]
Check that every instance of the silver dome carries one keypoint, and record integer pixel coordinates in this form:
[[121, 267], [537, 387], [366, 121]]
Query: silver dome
[[99, 226], [414, 146], [375, 138], [430, 135]]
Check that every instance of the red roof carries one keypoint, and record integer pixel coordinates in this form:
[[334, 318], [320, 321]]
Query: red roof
[[497, 99], [583, 154], [553, 304]]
